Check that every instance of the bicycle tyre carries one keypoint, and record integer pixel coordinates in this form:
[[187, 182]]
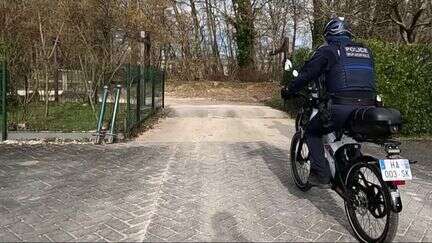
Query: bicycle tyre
[[392, 218], [297, 144]]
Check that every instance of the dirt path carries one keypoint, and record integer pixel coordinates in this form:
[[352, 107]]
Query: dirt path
[[209, 121]]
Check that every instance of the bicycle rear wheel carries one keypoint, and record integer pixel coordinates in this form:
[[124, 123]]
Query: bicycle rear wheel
[[369, 210], [300, 163]]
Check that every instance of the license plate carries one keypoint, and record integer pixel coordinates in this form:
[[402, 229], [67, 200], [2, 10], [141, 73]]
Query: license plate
[[395, 169]]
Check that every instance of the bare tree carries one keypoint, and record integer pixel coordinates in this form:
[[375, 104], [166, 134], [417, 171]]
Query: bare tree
[[194, 39], [411, 19], [49, 29], [212, 29]]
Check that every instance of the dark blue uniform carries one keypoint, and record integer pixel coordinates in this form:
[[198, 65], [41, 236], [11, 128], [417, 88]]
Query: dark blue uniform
[[348, 76]]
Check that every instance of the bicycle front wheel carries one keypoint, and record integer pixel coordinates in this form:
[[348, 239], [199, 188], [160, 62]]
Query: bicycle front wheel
[[300, 163]]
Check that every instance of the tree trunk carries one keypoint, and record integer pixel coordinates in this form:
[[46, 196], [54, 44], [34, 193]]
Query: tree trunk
[[295, 22], [197, 30], [245, 35], [56, 77], [147, 49], [230, 41], [217, 64], [318, 23], [284, 49], [295, 17], [184, 38], [46, 73]]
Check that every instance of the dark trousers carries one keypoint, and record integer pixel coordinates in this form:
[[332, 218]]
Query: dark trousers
[[314, 138]]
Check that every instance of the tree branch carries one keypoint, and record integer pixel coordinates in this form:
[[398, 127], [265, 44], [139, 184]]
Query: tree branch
[[56, 41], [416, 17], [398, 20], [41, 32], [424, 24]]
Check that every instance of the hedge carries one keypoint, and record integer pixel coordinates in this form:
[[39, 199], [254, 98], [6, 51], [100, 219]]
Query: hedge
[[404, 80], [404, 75]]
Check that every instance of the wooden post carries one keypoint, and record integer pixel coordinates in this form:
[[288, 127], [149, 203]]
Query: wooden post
[[147, 49], [3, 108], [285, 49]]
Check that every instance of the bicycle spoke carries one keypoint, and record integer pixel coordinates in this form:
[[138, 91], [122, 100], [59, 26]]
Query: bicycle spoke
[[300, 163], [302, 167], [370, 212]]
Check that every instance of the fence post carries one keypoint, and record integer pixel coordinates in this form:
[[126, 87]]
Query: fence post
[[3, 87], [153, 79], [144, 74], [163, 89], [128, 98], [138, 99]]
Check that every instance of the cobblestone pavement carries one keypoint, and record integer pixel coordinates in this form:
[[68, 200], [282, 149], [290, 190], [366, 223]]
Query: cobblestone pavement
[[206, 173]]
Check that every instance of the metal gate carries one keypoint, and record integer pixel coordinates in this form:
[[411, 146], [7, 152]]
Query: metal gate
[[3, 110]]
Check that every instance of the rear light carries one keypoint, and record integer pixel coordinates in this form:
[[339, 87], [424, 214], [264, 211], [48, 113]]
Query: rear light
[[394, 129], [398, 183]]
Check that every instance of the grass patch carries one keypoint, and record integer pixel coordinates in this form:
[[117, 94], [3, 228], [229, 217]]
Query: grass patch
[[63, 117]]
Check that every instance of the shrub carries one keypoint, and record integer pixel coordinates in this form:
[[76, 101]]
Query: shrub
[[404, 80], [3, 49], [298, 59]]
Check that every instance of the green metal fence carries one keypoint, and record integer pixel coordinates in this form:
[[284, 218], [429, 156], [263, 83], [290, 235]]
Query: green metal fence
[[3, 110], [145, 88]]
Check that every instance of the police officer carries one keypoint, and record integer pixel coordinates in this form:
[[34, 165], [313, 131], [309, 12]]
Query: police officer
[[347, 72]]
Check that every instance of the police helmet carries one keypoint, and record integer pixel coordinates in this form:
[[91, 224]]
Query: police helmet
[[337, 26]]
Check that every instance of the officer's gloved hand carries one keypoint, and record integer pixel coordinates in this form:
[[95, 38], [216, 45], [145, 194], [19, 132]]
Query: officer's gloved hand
[[286, 94]]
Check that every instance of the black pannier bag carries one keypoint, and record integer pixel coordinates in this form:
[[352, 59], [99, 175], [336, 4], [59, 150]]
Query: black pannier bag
[[374, 123]]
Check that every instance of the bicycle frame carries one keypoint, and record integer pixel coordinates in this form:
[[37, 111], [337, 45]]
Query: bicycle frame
[[337, 145]]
